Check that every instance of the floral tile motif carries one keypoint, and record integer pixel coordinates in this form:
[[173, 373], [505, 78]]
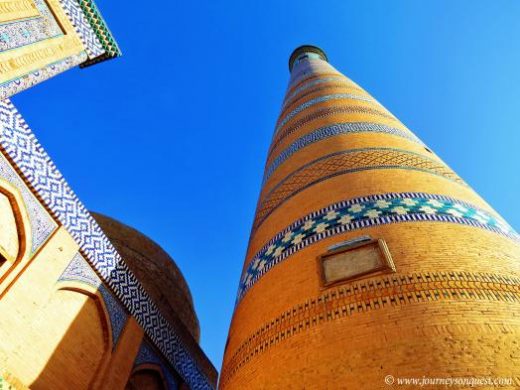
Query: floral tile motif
[[20, 33], [10, 88]]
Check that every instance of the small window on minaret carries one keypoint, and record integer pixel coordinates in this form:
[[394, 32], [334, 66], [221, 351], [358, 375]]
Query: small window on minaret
[[355, 259]]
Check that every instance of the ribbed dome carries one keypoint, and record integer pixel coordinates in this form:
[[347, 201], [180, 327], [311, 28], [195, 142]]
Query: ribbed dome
[[156, 270]]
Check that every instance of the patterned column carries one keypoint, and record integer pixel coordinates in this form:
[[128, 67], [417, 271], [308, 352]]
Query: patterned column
[[368, 255]]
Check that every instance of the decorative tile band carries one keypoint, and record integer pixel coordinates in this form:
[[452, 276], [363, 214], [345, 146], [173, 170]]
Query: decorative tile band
[[42, 225], [42, 176], [339, 87], [83, 28], [10, 88], [102, 32], [346, 161], [78, 270], [310, 77], [23, 32], [331, 131], [324, 112], [311, 84], [366, 296], [320, 99], [362, 213]]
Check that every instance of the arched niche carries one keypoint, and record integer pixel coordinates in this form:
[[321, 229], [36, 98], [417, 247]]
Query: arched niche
[[78, 339], [15, 233], [147, 377]]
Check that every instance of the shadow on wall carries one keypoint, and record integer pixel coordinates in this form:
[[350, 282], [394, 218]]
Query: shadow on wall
[[83, 350], [65, 342]]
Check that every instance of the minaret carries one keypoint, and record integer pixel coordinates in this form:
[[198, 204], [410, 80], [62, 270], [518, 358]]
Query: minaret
[[369, 259]]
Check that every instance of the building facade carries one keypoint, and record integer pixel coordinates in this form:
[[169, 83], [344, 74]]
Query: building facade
[[368, 257], [79, 308]]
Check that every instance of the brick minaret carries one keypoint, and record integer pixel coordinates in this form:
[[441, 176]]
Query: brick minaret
[[368, 255]]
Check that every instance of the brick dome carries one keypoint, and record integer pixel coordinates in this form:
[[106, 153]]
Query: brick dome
[[157, 272]]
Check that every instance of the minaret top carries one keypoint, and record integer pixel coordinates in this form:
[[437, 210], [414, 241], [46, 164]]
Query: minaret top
[[306, 51]]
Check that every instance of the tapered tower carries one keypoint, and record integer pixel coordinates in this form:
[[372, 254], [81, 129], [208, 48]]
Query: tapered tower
[[368, 257]]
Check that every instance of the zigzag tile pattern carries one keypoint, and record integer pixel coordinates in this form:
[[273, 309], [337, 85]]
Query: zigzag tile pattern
[[331, 131], [42, 224], [83, 28], [39, 172], [339, 163], [364, 212], [102, 32]]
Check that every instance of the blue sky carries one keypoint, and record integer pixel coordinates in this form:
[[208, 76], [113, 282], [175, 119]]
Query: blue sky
[[172, 137]]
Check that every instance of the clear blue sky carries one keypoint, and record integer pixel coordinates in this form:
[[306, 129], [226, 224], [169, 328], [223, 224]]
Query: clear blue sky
[[171, 138]]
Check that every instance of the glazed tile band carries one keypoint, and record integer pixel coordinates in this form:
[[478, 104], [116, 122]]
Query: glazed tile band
[[331, 131], [86, 33], [293, 86], [324, 112], [9, 88], [102, 31], [331, 87], [342, 162], [311, 84], [283, 121], [364, 212]]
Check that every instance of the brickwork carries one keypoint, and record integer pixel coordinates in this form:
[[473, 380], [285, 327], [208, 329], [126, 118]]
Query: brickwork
[[448, 310]]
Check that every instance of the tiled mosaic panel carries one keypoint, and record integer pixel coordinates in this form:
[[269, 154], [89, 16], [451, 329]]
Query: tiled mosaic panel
[[361, 213], [78, 270], [10, 88], [339, 163], [18, 141], [100, 28], [42, 224], [83, 28], [24, 32], [147, 355], [331, 131]]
